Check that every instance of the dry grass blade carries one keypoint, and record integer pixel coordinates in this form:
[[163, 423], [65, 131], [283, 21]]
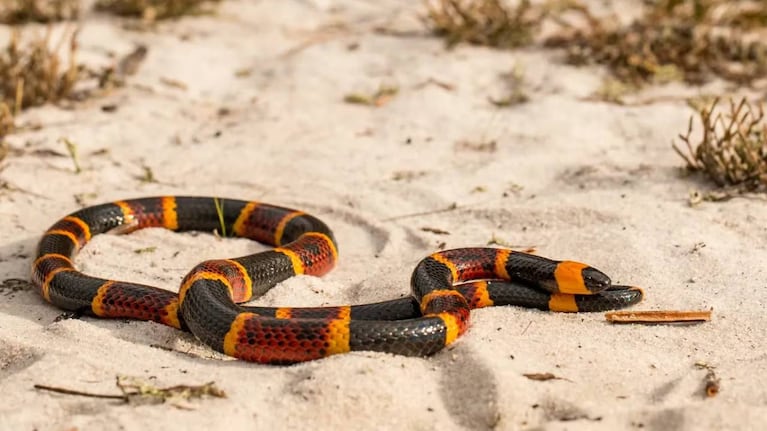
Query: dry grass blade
[[73, 154], [483, 22], [151, 10], [22, 11], [732, 150]]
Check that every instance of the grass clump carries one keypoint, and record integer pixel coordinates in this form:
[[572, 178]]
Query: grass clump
[[692, 40], [22, 11], [34, 74], [483, 22], [151, 10], [732, 150]]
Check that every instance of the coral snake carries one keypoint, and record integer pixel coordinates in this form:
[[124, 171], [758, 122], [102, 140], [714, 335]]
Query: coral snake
[[445, 285]]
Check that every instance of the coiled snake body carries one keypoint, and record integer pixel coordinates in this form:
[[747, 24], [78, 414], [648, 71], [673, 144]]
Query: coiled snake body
[[445, 285]]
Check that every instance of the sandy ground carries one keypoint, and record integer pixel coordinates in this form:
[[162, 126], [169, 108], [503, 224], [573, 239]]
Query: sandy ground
[[571, 177]]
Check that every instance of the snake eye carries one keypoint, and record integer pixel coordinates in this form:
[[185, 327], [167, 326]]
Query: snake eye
[[594, 279]]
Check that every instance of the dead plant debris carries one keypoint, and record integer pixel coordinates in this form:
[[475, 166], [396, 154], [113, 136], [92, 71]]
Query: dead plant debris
[[692, 40], [482, 146], [136, 391], [542, 377], [711, 382], [44, 11], [697, 247], [614, 91], [732, 150], [174, 83], [147, 175], [483, 22], [435, 230], [153, 10], [381, 97], [150, 249], [407, 175], [33, 73]]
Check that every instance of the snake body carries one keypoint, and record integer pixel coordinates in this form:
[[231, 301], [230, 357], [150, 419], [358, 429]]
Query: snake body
[[445, 285]]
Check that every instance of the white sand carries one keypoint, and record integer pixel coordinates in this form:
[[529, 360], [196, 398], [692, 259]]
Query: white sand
[[599, 183]]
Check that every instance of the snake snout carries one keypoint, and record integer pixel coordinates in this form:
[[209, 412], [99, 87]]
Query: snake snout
[[595, 280]]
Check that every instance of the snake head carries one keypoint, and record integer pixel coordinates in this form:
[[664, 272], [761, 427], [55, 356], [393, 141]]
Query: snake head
[[595, 280]]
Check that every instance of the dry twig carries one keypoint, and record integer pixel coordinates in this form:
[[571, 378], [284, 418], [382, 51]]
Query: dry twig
[[653, 317]]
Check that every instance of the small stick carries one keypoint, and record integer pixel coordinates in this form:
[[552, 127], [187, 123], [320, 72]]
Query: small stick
[[660, 316], [74, 392]]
